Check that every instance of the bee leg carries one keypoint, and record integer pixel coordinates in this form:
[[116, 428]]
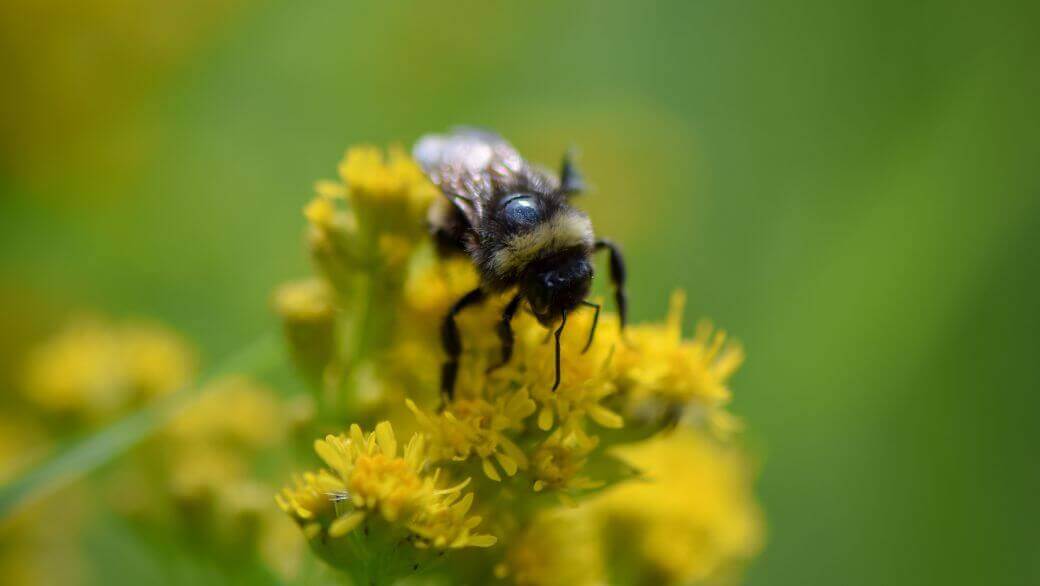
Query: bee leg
[[559, 330], [505, 331], [617, 276], [595, 320], [451, 342]]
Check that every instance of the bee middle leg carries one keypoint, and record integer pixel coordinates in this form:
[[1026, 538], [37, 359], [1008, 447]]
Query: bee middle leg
[[505, 331], [452, 343]]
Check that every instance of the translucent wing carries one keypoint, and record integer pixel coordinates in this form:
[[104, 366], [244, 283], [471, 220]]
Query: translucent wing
[[471, 167]]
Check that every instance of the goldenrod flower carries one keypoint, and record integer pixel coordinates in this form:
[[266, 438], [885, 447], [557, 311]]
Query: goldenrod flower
[[94, 369], [560, 459], [692, 516], [557, 547], [308, 316], [204, 463], [366, 477], [660, 374], [371, 220], [387, 192], [478, 427], [232, 411]]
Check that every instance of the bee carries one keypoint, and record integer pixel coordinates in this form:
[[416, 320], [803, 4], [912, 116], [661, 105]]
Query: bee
[[516, 222]]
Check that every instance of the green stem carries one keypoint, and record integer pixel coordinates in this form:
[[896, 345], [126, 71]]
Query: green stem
[[88, 453], [371, 332]]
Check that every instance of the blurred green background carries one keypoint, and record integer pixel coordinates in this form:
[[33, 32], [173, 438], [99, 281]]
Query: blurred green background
[[852, 189]]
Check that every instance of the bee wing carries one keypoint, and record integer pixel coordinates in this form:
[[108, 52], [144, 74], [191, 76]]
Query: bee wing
[[467, 164]]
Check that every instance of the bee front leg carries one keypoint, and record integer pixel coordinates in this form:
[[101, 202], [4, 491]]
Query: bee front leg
[[558, 333], [595, 321], [452, 343], [505, 331], [617, 276]]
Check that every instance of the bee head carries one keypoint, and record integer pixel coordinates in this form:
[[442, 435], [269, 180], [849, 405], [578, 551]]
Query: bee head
[[558, 283]]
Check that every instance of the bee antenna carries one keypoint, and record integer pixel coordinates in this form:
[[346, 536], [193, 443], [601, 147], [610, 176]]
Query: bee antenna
[[571, 180]]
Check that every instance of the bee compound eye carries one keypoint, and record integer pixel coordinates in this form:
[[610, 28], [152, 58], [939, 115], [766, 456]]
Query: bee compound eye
[[522, 210]]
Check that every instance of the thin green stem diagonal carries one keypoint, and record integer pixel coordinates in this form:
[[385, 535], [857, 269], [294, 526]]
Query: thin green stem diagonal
[[82, 455]]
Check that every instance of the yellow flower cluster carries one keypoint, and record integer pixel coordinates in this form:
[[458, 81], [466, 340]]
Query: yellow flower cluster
[[381, 296], [210, 445], [367, 478], [199, 477], [372, 218], [660, 373], [691, 519], [93, 370], [557, 547]]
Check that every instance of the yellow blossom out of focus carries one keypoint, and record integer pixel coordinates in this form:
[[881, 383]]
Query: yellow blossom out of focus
[[691, 518], [367, 478], [94, 370], [558, 547], [198, 477], [232, 411]]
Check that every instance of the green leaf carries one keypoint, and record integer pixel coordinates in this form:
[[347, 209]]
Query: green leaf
[[85, 454]]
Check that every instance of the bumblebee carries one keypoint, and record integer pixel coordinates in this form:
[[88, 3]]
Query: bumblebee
[[516, 222]]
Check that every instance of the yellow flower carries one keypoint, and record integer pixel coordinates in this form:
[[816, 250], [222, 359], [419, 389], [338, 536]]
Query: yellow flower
[[691, 518], [371, 220], [586, 381], [305, 301], [206, 463], [558, 547], [433, 289], [559, 460], [94, 369], [308, 317], [311, 498], [660, 374], [481, 428], [233, 411], [366, 477], [386, 191], [157, 360]]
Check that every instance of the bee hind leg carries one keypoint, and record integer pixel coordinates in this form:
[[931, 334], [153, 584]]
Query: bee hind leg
[[452, 343], [617, 276]]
